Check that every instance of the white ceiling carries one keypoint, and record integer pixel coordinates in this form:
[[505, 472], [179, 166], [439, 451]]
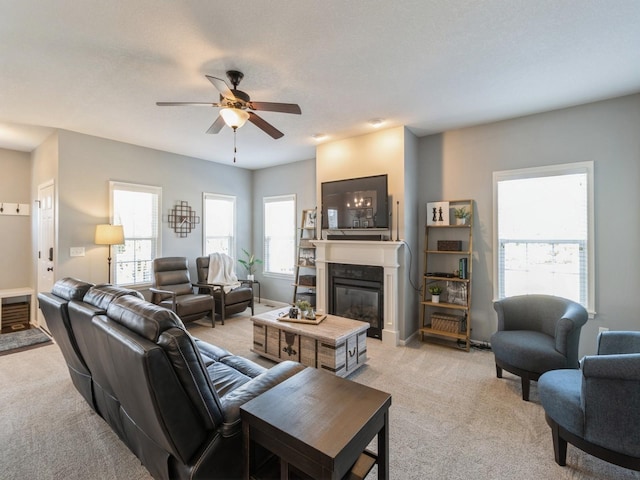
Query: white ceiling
[[98, 67]]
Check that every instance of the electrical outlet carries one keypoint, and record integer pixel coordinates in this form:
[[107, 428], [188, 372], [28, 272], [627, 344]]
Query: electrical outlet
[[76, 252], [602, 329]]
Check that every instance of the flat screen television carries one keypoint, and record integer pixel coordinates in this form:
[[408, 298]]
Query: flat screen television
[[355, 203]]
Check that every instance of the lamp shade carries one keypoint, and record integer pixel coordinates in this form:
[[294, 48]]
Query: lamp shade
[[109, 235], [234, 117]]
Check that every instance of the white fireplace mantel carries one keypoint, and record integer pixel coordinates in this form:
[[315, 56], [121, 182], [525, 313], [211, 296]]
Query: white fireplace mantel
[[364, 252]]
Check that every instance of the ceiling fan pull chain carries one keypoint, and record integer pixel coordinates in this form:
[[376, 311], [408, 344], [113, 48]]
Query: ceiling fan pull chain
[[234, 144]]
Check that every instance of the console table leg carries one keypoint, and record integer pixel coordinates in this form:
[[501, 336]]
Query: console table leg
[[246, 451], [383, 449], [284, 470]]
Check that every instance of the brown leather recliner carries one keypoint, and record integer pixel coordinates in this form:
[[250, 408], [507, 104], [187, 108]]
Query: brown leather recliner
[[227, 303], [172, 289], [55, 309], [172, 399]]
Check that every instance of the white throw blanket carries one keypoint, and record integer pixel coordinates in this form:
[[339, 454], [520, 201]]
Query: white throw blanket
[[221, 271]]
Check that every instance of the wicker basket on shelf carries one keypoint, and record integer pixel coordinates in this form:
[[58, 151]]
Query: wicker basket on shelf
[[445, 322]]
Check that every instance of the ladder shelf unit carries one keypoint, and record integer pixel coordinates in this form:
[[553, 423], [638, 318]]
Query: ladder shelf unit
[[304, 286], [448, 252]]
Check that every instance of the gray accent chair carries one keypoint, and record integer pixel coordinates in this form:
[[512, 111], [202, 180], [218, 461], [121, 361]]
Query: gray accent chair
[[597, 408], [172, 289], [536, 333]]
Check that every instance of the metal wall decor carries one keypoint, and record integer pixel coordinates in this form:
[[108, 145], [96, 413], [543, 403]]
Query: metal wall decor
[[182, 218]]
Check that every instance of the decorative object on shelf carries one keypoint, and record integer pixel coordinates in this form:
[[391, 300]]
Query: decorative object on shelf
[[107, 234], [457, 293], [309, 219], [449, 245], [461, 215], [182, 219], [293, 312], [249, 264], [435, 291], [437, 213]]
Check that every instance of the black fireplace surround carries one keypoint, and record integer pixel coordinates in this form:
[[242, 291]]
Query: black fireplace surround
[[356, 291]]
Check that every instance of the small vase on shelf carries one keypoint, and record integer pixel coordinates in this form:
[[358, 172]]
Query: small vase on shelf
[[435, 298]]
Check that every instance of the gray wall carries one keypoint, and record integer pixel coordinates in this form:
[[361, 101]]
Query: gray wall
[[86, 164], [298, 178], [15, 255], [459, 164]]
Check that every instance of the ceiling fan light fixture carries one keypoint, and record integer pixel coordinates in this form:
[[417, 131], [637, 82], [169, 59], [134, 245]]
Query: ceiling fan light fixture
[[234, 117], [318, 137]]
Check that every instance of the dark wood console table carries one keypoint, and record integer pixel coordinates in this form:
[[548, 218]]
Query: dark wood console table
[[319, 424]]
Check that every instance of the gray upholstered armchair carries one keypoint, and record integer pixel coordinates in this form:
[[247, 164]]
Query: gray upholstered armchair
[[536, 333], [597, 408]]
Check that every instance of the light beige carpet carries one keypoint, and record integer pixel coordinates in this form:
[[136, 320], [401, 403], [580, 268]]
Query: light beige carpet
[[451, 418]]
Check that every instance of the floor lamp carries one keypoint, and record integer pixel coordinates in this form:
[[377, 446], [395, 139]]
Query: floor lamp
[[109, 235]]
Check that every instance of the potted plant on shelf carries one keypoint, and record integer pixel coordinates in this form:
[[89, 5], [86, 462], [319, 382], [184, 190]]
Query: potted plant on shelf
[[249, 264], [461, 215], [435, 291]]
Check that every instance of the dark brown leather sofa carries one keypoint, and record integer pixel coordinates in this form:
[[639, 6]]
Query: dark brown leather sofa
[[173, 399]]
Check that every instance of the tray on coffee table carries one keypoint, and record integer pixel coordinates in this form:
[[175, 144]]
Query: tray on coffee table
[[316, 321]]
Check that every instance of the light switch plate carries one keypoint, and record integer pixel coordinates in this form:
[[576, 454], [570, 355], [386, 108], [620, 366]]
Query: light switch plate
[[76, 252]]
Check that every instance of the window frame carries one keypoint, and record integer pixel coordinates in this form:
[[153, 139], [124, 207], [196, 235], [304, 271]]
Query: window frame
[[272, 199], [141, 188], [219, 196], [549, 171]]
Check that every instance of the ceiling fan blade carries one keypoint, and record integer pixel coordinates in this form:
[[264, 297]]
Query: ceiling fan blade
[[276, 107], [217, 125], [222, 87], [180, 104], [265, 126]]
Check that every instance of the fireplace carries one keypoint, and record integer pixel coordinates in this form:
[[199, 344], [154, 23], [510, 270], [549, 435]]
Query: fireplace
[[356, 291]]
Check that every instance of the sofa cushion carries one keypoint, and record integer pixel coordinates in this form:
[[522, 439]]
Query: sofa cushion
[[144, 318]]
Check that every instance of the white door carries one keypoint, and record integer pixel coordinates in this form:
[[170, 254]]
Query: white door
[[46, 242]]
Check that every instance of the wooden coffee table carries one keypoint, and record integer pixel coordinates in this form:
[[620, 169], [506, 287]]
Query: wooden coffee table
[[321, 425], [337, 344]]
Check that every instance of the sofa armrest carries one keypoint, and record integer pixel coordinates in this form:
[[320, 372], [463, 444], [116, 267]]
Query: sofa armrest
[[232, 401]]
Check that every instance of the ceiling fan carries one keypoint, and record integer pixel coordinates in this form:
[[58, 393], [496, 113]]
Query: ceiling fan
[[237, 107]]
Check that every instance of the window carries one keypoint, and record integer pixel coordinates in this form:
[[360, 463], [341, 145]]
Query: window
[[136, 208], [279, 234], [544, 232], [219, 224]]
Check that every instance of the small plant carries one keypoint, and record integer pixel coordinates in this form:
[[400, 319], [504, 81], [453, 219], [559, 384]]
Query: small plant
[[303, 305], [250, 262], [461, 212], [435, 289]]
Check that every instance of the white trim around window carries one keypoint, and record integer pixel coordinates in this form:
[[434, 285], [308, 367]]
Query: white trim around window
[[546, 226], [219, 226], [279, 237], [137, 208]]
